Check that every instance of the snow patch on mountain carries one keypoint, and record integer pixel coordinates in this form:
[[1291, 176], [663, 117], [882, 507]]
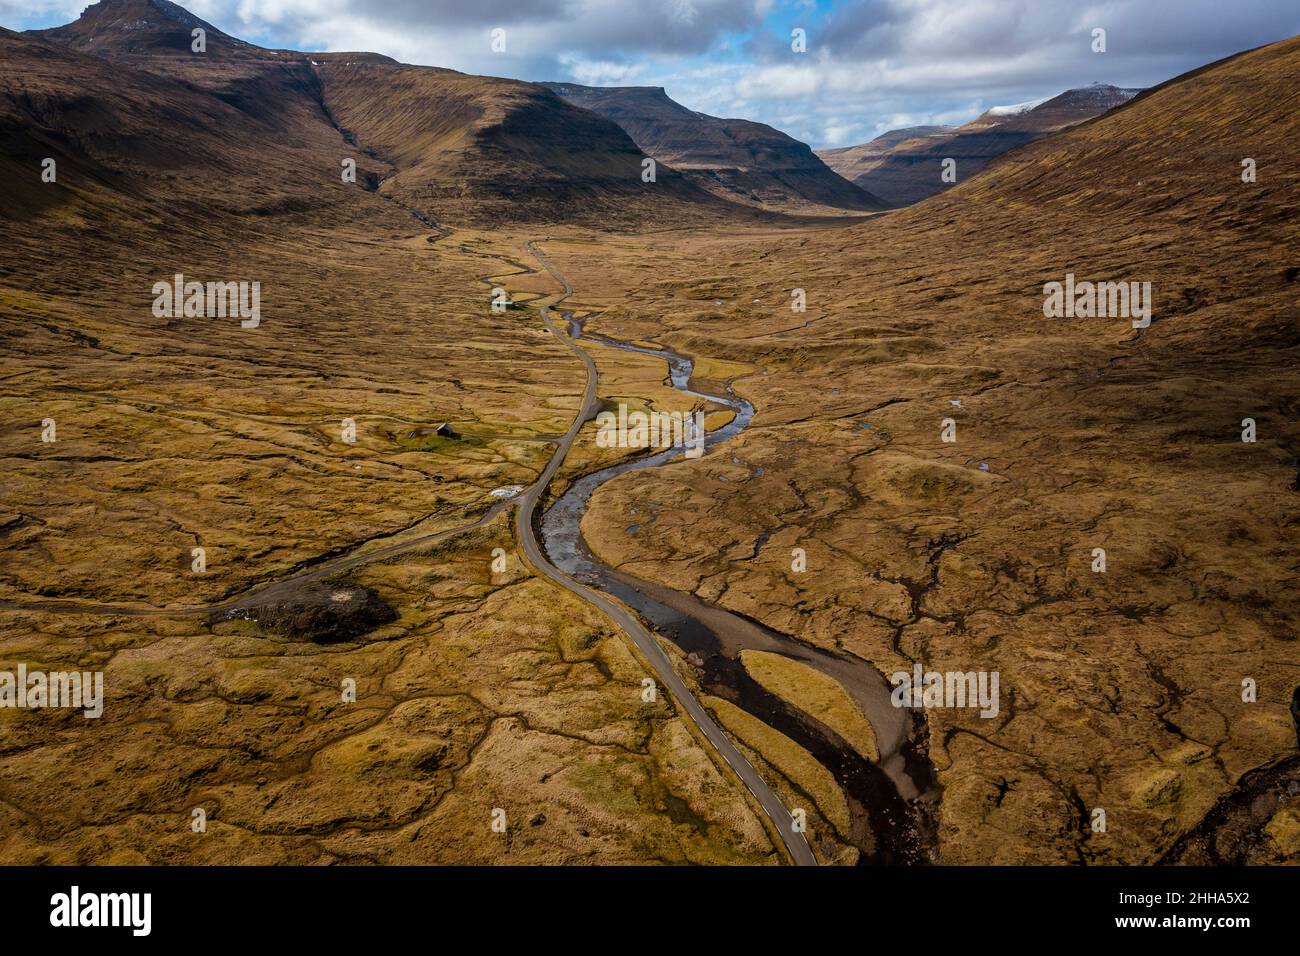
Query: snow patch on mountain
[[1018, 108]]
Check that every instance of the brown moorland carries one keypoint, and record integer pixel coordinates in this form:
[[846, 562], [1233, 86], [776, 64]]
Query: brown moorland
[[475, 689], [906, 166], [1121, 691], [479, 689]]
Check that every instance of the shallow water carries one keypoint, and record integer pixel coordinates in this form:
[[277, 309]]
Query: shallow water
[[891, 802]]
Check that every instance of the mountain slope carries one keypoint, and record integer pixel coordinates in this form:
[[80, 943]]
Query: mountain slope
[[122, 29], [465, 148], [909, 169], [123, 138], [853, 161], [486, 148], [1121, 686], [734, 158], [275, 86]]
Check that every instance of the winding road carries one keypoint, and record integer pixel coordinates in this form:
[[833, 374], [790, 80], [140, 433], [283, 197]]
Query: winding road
[[326, 566], [796, 843]]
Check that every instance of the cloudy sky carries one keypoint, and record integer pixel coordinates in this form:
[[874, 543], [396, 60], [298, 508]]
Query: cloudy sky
[[869, 66]]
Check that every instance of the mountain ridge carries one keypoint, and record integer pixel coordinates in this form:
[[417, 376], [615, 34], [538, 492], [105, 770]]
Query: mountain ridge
[[507, 161], [909, 169], [736, 159]]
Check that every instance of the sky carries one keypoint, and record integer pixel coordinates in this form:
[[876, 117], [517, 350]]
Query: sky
[[868, 65]]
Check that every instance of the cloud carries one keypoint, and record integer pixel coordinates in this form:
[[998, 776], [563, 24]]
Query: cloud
[[945, 61], [25, 14], [600, 72], [868, 61], [546, 29]]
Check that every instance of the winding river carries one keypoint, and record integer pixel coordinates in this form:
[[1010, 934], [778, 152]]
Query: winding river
[[892, 803]]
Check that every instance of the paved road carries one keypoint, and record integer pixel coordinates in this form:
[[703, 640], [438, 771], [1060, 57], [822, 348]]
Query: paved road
[[796, 843]]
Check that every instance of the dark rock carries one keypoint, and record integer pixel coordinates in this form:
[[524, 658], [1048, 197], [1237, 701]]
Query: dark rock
[[323, 612]]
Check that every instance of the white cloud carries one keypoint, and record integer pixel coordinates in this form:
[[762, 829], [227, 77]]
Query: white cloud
[[869, 62], [601, 72]]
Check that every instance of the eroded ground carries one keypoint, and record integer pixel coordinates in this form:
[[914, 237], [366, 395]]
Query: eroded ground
[[486, 689], [1121, 691]]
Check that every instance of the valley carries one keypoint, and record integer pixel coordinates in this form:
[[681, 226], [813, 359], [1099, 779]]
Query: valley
[[366, 586]]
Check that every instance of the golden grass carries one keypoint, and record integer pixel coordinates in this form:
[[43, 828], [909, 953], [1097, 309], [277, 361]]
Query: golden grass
[[816, 694], [787, 758]]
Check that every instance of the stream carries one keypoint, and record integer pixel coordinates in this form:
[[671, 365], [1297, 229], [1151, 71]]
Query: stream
[[892, 803]]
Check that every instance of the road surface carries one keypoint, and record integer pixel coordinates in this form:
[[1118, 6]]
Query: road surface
[[796, 843]]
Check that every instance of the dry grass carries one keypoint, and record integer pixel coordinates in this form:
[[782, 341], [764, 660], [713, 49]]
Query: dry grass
[[808, 689]]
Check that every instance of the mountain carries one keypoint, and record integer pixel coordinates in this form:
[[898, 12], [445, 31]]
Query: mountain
[[909, 169], [1121, 686], [466, 148], [127, 143], [486, 147], [734, 158], [124, 29], [852, 161]]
